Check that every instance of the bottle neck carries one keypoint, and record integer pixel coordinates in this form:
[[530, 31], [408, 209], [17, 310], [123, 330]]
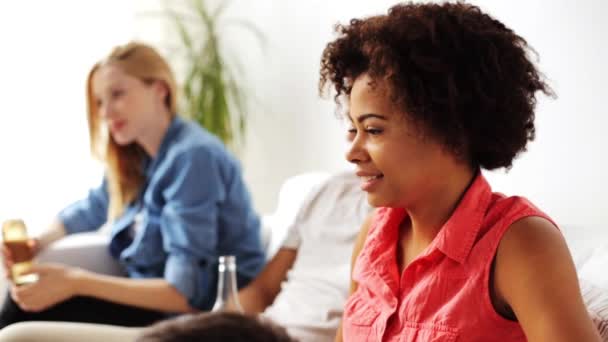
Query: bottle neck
[[227, 289]]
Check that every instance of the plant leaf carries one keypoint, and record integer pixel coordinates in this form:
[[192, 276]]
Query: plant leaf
[[214, 93]]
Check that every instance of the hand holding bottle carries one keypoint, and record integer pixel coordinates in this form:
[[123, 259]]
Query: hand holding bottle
[[18, 251]]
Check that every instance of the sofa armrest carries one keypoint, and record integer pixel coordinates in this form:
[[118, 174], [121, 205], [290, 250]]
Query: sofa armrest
[[84, 250]]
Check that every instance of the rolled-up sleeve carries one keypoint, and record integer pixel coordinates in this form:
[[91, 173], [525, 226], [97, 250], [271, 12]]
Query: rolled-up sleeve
[[89, 213], [189, 223]]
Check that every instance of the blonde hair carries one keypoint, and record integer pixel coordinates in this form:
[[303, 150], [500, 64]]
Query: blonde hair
[[124, 164]]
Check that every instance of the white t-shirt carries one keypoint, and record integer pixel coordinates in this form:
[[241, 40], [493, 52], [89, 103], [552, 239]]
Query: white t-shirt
[[311, 300]]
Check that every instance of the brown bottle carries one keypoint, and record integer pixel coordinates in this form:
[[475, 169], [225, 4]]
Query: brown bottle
[[14, 234]]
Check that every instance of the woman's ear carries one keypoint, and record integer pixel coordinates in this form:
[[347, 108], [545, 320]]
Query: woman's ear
[[161, 88], [162, 91]]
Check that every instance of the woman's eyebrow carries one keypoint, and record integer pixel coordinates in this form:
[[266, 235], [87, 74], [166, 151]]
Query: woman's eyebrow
[[364, 117]]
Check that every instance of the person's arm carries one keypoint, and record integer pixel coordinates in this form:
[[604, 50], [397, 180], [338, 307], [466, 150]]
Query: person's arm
[[535, 275], [154, 294], [87, 214], [55, 231], [262, 291], [359, 242], [58, 283]]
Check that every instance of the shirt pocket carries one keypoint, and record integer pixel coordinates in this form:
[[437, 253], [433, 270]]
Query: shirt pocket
[[427, 332], [359, 317]]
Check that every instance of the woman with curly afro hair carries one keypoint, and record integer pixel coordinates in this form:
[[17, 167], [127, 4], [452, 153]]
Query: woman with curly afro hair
[[435, 93]]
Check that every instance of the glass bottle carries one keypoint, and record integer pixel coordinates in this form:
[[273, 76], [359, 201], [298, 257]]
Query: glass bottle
[[227, 298], [14, 234]]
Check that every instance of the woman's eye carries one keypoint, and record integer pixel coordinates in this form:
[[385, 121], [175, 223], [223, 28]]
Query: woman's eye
[[117, 93], [351, 134], [373, 131]]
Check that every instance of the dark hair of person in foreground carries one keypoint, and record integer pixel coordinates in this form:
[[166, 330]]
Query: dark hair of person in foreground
[[215, 327]]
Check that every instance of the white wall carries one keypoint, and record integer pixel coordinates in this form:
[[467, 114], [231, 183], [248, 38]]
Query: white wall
[[564, 170], [46, 53], [293, 130], [47, 50]]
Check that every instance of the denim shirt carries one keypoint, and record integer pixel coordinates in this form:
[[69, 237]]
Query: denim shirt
[[194, 208]]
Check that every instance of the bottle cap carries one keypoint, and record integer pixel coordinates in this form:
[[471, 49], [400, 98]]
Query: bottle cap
[[228, 259]]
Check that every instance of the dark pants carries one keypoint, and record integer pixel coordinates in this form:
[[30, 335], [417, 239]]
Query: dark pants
[[82, 309]]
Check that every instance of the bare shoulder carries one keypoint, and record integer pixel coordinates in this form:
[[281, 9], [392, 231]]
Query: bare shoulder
[[532, 249], [536, 277], [533, 235]]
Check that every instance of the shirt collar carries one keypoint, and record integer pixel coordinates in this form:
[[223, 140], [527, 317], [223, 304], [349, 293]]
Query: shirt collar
[[459, 233], [172, 131]]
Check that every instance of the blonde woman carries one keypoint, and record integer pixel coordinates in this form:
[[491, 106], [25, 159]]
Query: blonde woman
[[174, 197]]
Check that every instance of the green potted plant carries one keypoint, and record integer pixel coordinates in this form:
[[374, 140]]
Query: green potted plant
[[213, 95]]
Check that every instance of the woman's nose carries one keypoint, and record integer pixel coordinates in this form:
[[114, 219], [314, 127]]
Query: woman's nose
[[356, 152], [105, 111]]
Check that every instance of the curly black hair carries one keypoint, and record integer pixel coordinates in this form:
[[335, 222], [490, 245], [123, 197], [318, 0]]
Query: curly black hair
[[459, 74]]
